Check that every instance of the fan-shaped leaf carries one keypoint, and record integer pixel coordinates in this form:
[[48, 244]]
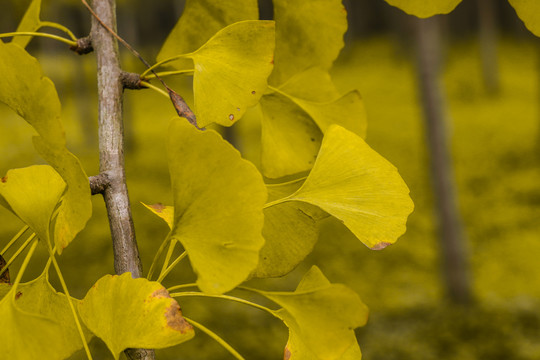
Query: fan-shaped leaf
[[30, 22], [33, 96], [37, 323], [231, 71], [353, 183], [290, 138], [76, 207], [218, 206], [529, 12], [133, 313], [199, 21], [321, 317], [28, 92], [309, 33], [290, 141], [33, 194], [424, 9], [290, 231]]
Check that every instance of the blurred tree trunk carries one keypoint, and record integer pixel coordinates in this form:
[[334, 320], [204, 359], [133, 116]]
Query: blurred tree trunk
[[487, 25], [451, 235]]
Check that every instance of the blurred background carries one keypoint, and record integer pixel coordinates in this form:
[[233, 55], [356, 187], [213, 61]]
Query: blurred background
[[453, 102]]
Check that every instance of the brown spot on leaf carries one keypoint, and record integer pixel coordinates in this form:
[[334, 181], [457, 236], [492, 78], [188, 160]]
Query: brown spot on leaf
[[253, 92], [287, 353], [18, 295], [4, 179], [380, 246], [173, 313], [231, 117], [159, 207]]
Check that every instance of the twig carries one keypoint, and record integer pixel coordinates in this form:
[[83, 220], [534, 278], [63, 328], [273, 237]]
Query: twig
[[180, 105]]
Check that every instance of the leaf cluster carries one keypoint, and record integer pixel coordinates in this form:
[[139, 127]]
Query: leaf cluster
[[226, 219]]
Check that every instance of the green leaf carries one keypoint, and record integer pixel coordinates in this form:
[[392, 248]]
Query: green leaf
[[37, 323], [76, 207], [309, 33], [529, 12], [29, 23], [290, 232], [290, 139], [312, 104], [218, 206], [321, 317], [28, 92], [231, 71], [163, 211], [199, 21], [353, 183], [133, 313], [33, 194], [425, 9], [314, 84]]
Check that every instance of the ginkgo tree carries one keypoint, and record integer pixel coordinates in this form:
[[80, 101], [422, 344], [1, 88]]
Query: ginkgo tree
[[229, 223]]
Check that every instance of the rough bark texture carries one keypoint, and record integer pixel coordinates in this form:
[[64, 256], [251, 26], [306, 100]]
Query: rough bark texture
[[111, 149], [452, 239]]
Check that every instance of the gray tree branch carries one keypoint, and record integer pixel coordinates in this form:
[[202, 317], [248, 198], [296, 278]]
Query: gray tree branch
[[111, 148]]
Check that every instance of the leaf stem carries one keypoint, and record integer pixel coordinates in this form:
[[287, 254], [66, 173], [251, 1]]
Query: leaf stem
[[24, 265], [226, 297], [155, 88], [15, 238], [167, 73], [50, 36], [276, 202], [183, 286], [59, 27], [17, 253], [157, 255], [163, 62], [170, 267], [216, 337], [70, 300]]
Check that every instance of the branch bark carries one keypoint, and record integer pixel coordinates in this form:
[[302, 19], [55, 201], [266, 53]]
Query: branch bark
[[111, 149]]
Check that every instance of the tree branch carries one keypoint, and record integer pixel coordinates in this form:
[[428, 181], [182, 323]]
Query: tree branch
[[111, 148]]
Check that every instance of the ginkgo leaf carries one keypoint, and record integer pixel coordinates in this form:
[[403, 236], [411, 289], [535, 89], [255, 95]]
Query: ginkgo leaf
[[292, 127], [290, 232], [314, 84], [347, 111], [199, 21], [529, 12], [425, 9], [33, 194], [290, 236], [290, 139], [76, 207], [231, 70], [218, 206], [321, 317], [353, 183], [37, 322], [29, 23], [163, 211], [309, 33], [133, 313], [28, 92]]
